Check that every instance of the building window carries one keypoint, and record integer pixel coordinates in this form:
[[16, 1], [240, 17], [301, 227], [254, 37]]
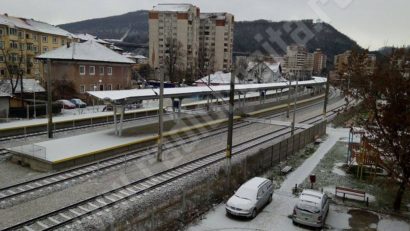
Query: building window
[[92, 70], [12, 31], [82, 89], [35, 49], [62, 42], [13, 44], [1, 58], [54, 40], [82, 70], [101, 70], [29, 46], [1, 32], [109, 70], [45, 49], [1, 44], [109, 87], [44, 38], [35, 37], [20, 34], [27, 36]]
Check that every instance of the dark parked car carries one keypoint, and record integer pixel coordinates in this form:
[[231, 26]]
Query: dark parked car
[[66, 104], [78, 103]]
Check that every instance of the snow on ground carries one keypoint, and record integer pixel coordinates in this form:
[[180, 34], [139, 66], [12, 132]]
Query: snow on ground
[[337, 169], [275, 215]]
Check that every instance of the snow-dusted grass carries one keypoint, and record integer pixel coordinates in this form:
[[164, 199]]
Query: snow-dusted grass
[[330, 172]]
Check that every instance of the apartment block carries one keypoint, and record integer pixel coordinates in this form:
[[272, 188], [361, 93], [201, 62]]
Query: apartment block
[[319, 61], [341, 60], [298, 62], [216, 41], [174, 31], [22, 39], [200, 41]]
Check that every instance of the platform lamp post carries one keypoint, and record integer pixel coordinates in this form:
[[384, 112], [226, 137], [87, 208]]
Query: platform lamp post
[[326, 97], [160, 114], [95, 89], [49, 102], [36, 82]]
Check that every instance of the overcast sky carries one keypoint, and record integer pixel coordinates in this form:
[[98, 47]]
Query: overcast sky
[[372, 23]]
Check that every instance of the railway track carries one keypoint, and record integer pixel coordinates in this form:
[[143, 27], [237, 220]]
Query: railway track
[[104, 201], [81, 173], [77, 127]]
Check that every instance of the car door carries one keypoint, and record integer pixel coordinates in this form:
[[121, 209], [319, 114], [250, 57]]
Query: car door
[[260, 197]]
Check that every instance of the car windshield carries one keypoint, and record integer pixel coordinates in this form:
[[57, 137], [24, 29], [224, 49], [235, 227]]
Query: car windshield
[[246, 193]]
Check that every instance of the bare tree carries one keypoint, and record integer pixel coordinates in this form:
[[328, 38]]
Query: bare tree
[[173, 55], [63, 89], [15, 69], [385, 97]]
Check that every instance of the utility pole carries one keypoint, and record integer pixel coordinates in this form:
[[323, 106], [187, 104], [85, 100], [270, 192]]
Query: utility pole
[[230, 121], [294, 107], [290, 83], [160, 115], [326, 97], [49, 102]]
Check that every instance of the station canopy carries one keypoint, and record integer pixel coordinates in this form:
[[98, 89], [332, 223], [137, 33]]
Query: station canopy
[[133, 95]]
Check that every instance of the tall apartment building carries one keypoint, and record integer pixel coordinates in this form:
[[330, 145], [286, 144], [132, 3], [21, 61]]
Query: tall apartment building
[[298, 62], [207, 35], [341, 60], [22, 39], [319, 61], [216, 41], [174, 28]]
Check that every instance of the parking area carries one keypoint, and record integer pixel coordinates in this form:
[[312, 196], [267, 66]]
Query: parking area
[[277, 214]]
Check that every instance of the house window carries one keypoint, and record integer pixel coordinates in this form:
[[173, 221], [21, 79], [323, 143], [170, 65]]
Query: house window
[[20, 34], [82, 70], [2, 72], [62, 42], [12, 31], [92, 70], [55, 40], [1, 32], [44, 38], [1, 58], [101, 70], [27, 36], [13, 44], [82, 89], [109, 70], [1, 44], [35, 48], [45, 49], [29, 46]]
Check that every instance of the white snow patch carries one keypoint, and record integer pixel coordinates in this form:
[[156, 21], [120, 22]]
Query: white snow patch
[[337, 170], [391, 224]]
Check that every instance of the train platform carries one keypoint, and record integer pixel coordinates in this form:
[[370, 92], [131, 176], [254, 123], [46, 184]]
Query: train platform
[[72, 151]]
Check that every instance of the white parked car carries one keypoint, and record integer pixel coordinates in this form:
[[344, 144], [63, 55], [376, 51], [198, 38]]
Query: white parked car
[[250, 197], [311, 209]]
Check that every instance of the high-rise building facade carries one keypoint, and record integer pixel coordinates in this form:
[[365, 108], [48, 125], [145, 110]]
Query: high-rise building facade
[[342, 60], [22, 39], [319, 61], [174, 36], [216, 41], [298, 62], [182, 38]]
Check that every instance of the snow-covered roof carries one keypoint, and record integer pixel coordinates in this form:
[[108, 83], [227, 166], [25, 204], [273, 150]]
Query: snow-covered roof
[[172, 7], [86, 51], [87, 37], [218, 16], [219, 78], [121, 95], [33, 25], [29, 86], [133, 56]]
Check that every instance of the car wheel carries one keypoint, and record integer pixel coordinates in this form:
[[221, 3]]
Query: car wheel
[[253, 213]]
